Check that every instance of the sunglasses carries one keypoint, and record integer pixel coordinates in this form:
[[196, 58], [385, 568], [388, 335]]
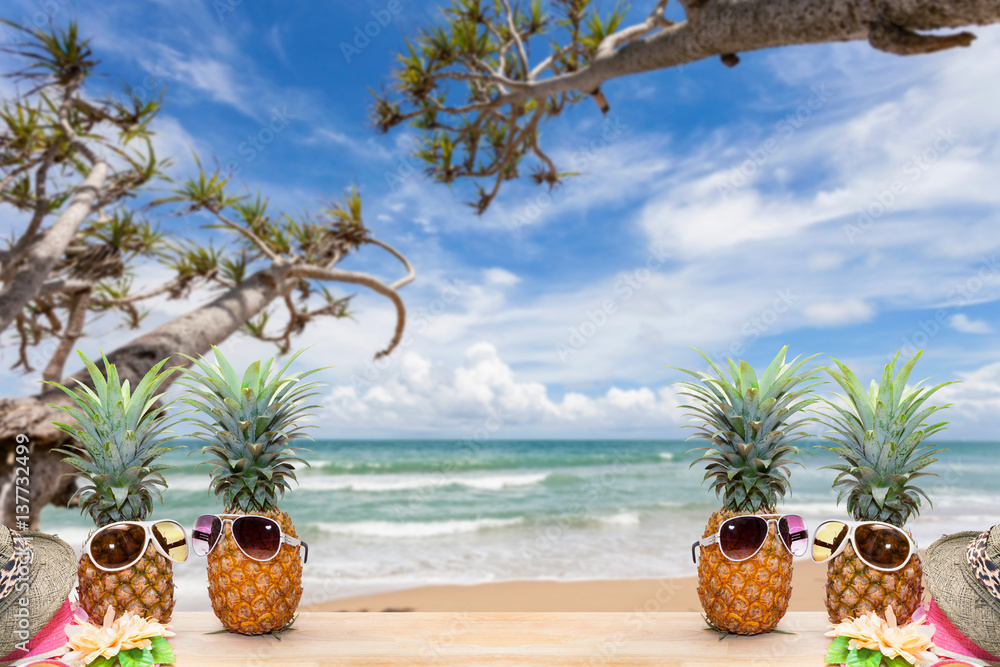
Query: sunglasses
[[259, 537], [879, 545], [741, 537], [122, 544]]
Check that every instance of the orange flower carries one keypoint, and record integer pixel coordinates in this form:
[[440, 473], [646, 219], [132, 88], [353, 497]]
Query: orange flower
[[87, 642], [911, 642]]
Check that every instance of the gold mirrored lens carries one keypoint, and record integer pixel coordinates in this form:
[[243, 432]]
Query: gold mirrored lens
[[828, 538], [171, 538]]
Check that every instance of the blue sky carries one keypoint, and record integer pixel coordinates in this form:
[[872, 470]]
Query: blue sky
[[718, 208]]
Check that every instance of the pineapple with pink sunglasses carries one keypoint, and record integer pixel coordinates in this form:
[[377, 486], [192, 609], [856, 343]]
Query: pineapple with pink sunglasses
[[750, 423], [249, 422]]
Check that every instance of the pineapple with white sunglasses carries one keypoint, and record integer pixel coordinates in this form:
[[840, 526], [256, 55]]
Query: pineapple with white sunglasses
[[120, 435]]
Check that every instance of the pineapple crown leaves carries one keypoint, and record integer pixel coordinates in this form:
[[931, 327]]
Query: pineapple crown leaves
[[120, 434], [879, 435], [749, 424], [248, 422]]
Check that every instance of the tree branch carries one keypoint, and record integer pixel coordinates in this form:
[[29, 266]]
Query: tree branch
[[9, 178], [33, 271], [595, 50], [736, 26], [74, 329], [339, 275], [522, 54], [410, 273], [899, 41], [41, 209], [168, 286], [261, 244], [64, 286], [628, 35], [71, 134]]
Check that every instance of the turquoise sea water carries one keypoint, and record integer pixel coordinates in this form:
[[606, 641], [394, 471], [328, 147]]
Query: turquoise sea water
[[381, 515]]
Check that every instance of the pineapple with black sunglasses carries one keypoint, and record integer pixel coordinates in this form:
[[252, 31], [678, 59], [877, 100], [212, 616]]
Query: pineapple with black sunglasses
[[126, 562], [745, 569], [249, 422]]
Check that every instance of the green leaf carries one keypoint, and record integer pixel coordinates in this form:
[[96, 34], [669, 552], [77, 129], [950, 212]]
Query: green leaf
[[879, 494], [874, 660], [897, 662], [858, 657], [121, 495], [144, 659], [127, 658], [837, 653], [162, 653]]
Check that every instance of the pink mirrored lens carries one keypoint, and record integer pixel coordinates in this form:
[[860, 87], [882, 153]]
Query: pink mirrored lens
[[794, 534], [207, 529]]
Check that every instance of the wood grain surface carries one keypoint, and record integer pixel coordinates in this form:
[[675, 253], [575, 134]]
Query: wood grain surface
[[500, 638]]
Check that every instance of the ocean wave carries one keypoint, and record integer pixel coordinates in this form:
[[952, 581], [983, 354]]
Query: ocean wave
[[666, 456], [370, 484], [415, 528], [621, 519], [522, 462], [500, 482], [363, 483], [562, 479]]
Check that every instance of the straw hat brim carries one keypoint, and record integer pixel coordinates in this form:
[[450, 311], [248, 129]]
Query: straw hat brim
[[959, 594], [50, 580]]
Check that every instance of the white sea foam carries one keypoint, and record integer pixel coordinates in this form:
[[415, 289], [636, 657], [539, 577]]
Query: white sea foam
[[498, 482], [379, 483], [621, 519], [414, 528], [666, 456], [310, 465]]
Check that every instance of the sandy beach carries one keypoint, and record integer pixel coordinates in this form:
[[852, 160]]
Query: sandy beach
[[668, 594]]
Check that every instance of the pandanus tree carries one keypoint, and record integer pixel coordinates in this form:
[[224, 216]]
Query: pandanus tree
[[77, 170], [480, 85]]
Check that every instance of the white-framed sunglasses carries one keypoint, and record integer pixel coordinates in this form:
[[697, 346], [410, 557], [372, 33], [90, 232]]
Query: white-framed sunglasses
[[879, 545], [258, 537], [121, 545], [741, 537]]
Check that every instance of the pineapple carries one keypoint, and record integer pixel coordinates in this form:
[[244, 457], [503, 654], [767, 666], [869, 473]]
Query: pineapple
[[120, 435], [250, 424], [879, 435], [747, 422]]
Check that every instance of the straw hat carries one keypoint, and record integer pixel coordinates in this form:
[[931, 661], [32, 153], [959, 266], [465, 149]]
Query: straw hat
[[37, 572], [963, 574]]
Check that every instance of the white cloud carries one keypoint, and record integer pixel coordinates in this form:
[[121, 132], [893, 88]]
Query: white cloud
[[366, 146], [421, 396], [502, 277], [838, 313], [977, 396], [734, 257], [965, 324], [206, 74], [334, 136], [172, 139]]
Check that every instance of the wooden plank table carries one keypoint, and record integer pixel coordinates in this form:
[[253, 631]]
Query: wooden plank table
[[500, 638]]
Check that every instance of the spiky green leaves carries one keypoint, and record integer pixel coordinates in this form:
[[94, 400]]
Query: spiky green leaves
[[249, 421], [879, 435], [120, 434], [749, 424]]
